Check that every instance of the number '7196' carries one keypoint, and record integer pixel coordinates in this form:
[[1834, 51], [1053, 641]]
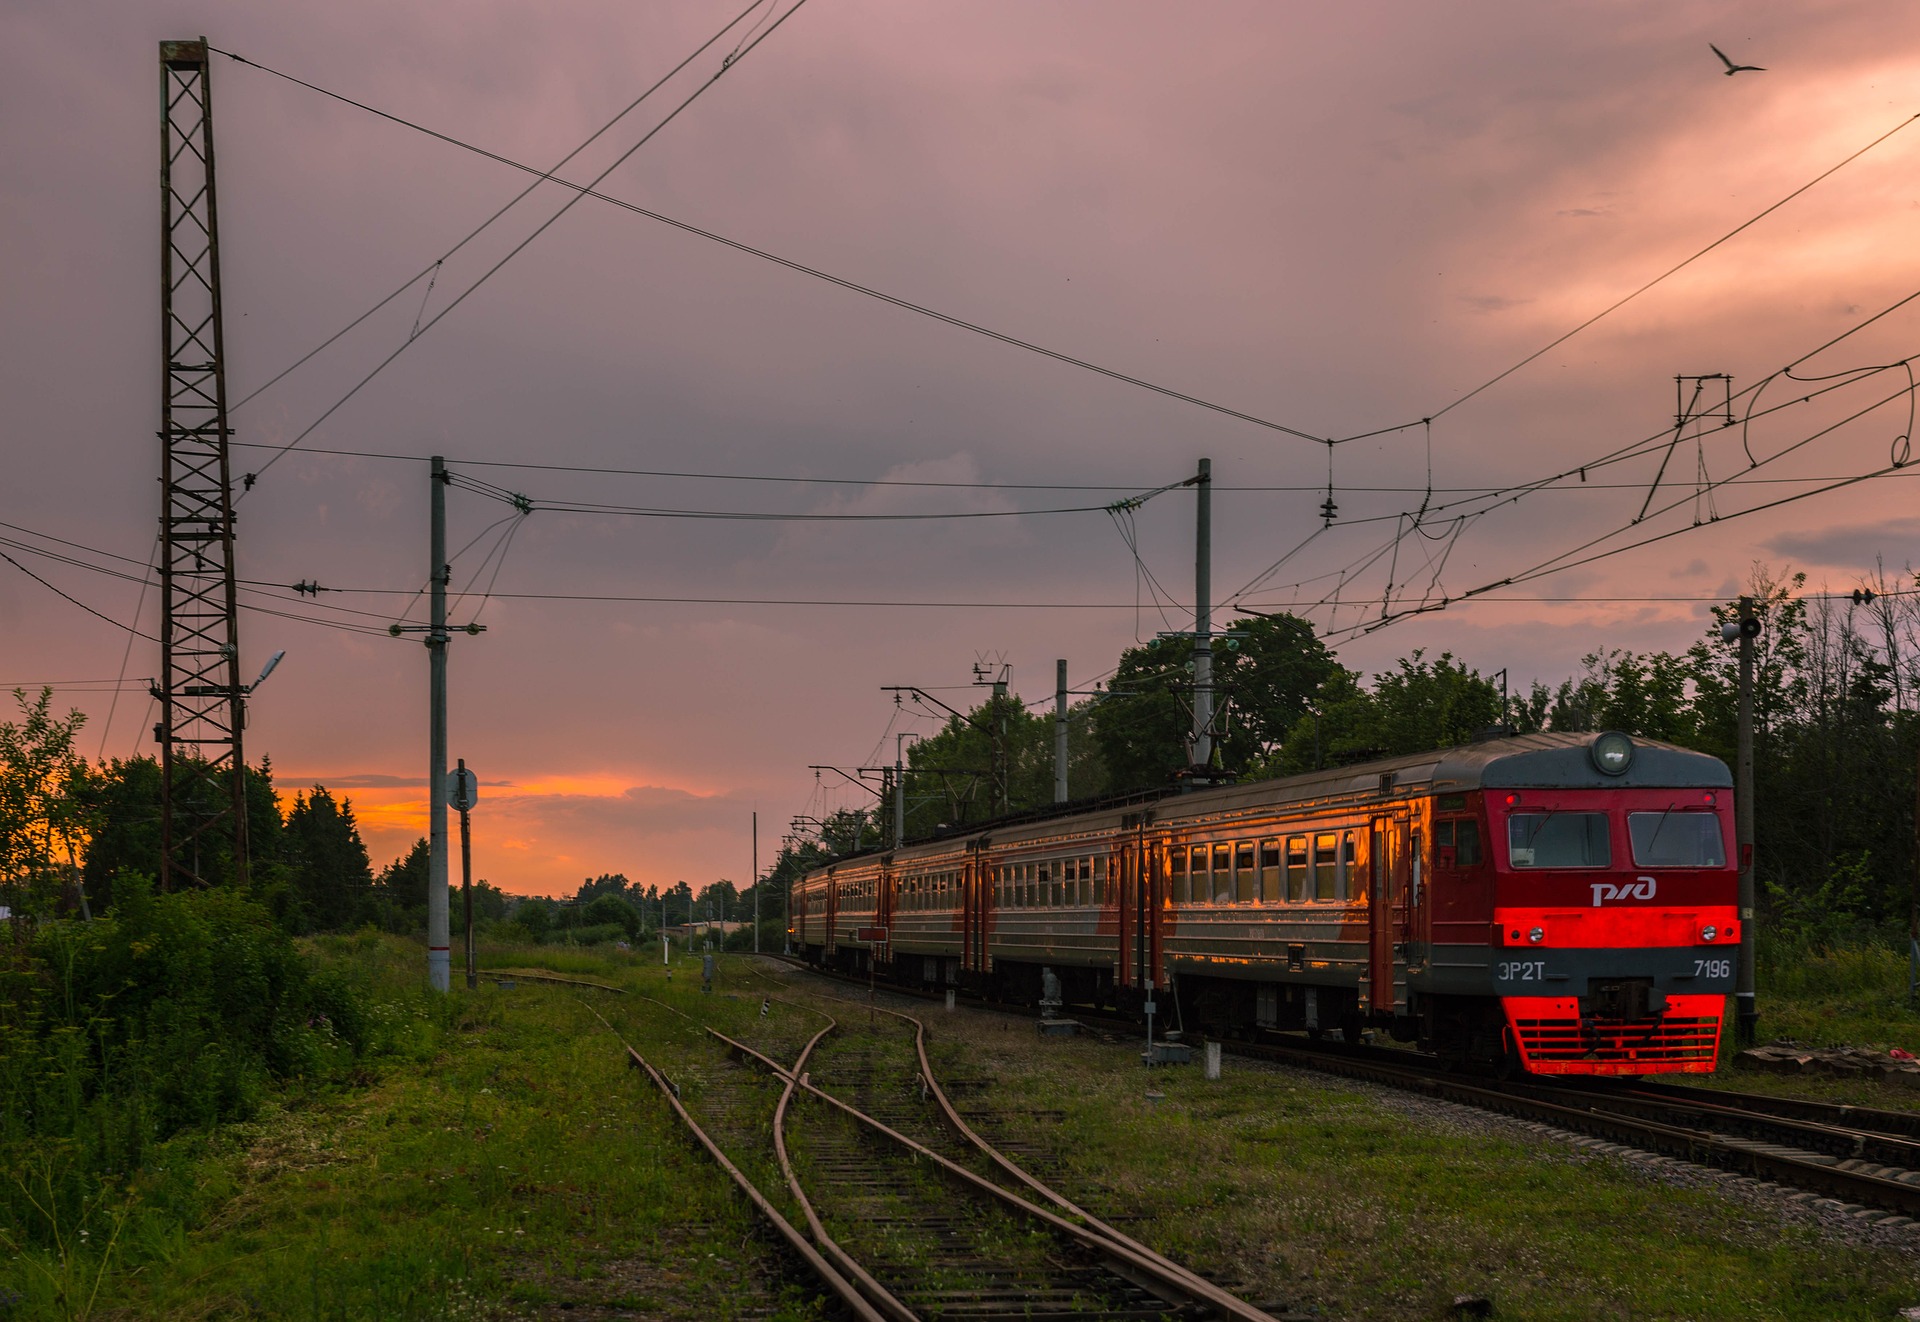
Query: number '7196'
[[1713, 968]]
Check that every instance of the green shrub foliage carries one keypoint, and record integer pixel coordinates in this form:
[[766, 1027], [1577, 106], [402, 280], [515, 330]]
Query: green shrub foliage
[[169, 1013]]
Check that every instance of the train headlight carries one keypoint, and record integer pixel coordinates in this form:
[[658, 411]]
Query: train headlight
[[1709, 932], [1612, 753], [1537, 935]]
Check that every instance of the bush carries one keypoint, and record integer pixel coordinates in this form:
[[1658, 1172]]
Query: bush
[[172, 1013]]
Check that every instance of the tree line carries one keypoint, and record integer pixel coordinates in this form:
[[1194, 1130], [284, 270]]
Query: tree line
[[1837, 734]]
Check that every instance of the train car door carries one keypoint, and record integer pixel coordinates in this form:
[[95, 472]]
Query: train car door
[[1130, 954], [1380, 906], [833, 910], [975, 885], [1388, 914], [1419, 938]]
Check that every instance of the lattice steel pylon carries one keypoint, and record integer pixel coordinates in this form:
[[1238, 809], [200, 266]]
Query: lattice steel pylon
[[202, 703]]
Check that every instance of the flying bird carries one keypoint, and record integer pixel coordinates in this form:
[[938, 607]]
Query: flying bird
[[1733, 68]]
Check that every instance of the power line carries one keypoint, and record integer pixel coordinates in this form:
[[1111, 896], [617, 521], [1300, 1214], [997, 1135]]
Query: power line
[[1635, 449], [527, 505], [1628, 298], [515, 251], [852, 286], [433, 268], [1345, 488], [75, 600]]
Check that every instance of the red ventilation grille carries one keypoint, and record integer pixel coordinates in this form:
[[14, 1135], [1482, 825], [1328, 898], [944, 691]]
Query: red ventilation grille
[[1670, 1041]]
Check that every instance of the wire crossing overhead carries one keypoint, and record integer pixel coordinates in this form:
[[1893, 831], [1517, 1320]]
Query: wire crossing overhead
[[591, 189], [203, 768]]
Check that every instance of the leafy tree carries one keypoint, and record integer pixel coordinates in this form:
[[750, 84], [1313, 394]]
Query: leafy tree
[[43, 816], [402, 889], [1267, 675], [608, 907], [124, 799], [721, 899], [535, 914], [607, 883], [327, 863]]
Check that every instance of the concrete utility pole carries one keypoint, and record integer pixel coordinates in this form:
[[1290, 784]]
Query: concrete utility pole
[[756, 883], [900, 786], [1060, 731], [1202, 751], [439, 954], [1746, 1012]]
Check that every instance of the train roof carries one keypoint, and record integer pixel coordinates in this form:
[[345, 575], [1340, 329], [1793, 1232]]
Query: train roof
[[1527, 761]]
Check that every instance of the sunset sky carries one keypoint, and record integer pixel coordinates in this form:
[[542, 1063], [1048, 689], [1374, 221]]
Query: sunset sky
[[1335, 218]]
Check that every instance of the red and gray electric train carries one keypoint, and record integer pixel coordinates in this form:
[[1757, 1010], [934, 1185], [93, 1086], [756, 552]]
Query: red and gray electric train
[[1562, 903]]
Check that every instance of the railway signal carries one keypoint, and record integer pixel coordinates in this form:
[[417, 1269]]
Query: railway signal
[[463, 791]]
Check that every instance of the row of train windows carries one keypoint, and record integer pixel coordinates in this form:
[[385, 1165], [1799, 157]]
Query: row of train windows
[[1297, 868], [1056, 883], [939, 890]]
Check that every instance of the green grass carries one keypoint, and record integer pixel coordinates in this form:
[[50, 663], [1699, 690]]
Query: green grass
[[500, 1161], [1826, 997], [1307, 1191], [513, 1167]]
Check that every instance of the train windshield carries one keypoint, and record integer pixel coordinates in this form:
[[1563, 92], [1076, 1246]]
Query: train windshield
[[1676, 840], [1558, 840]]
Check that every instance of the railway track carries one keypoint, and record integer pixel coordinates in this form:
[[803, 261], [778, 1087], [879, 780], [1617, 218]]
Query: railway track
[[1861, 1157], [1841, 1158], [892, 1201]]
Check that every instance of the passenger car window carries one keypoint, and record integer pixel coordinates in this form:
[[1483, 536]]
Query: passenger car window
[[1246, 882], [1676, 840], [1177, 873], [1558, 840], [1270, 871], [1296, 867], [1222, 874], [1326, 867]]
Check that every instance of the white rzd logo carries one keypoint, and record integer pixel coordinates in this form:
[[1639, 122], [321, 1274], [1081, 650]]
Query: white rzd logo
[[1640, 888]]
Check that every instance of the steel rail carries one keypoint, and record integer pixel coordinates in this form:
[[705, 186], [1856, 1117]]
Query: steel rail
[[1172, 1283], [1695, 1145], [1813, 1135], [1230, 1304], [842, 1288], [1877, 1120], [882, 1298], [1588, 1115]]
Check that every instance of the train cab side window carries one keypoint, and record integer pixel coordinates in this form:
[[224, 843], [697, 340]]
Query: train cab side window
[[1269, 871], [1414, 872], [1296, 867], [1177, 873], [1246, 881], [1197, 884], [1326, 867]]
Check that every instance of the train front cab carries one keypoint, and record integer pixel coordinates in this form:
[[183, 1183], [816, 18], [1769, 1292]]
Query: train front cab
[[1614, 922]]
